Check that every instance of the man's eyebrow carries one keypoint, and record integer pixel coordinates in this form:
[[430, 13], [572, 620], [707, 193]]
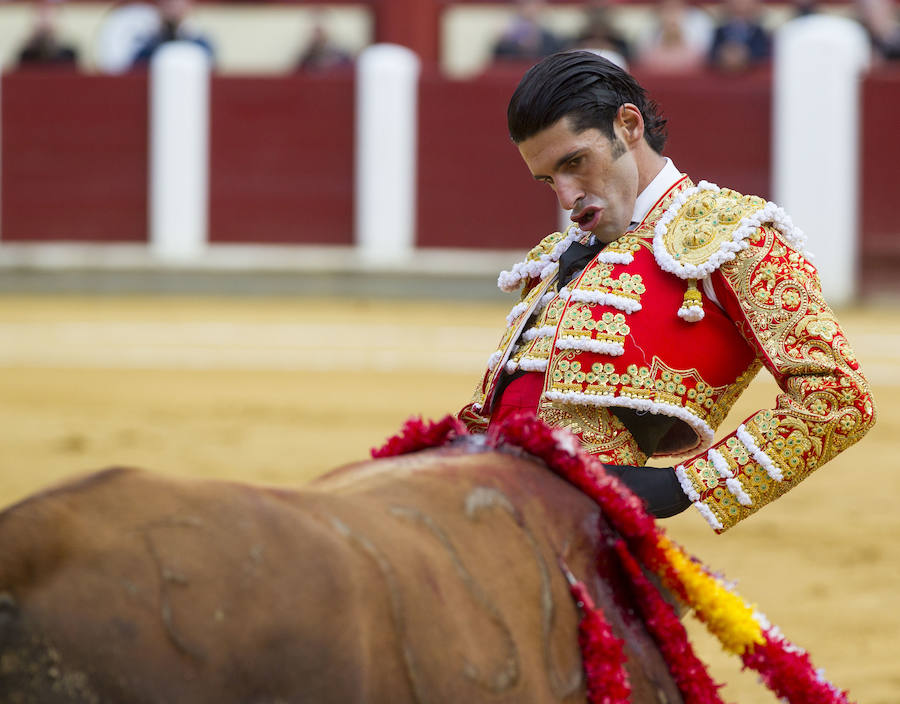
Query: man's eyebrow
[[559, 162]]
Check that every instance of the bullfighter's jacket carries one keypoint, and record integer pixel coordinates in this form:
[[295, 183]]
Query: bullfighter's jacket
[[676, 318]]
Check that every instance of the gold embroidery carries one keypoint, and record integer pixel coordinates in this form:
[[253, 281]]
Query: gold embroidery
[[601, 433], [631, 243], [657, 382], [826, 404], [599, 278], [579, 321], [706, 221]]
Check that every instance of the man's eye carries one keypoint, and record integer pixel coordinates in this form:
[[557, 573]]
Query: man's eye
[[575, 161]]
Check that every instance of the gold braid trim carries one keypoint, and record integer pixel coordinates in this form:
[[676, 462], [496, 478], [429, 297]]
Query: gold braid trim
[[826, 404]]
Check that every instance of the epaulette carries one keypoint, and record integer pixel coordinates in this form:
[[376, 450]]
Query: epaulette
[[705, 227], [541, 260]]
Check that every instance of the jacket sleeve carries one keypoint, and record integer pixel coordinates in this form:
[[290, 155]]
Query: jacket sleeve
[[775, 298]]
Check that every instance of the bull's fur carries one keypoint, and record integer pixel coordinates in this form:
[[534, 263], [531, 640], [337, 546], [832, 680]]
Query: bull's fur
[[432, 577]]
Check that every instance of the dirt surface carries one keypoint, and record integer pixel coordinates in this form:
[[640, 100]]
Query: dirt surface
[[279, 391]]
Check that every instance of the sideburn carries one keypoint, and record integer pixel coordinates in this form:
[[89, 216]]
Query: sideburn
[[618, 149]]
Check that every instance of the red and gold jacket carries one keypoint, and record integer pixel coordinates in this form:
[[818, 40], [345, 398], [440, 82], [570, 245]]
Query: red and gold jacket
[[637, 329]]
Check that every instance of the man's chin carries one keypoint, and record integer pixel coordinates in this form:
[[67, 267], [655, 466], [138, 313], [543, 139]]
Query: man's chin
[[606, 236]]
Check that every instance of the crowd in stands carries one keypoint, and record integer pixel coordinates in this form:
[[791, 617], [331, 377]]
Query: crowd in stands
[[171, 23], [683, 37]]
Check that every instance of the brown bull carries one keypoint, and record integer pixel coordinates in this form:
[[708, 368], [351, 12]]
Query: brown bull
[[433, 577]]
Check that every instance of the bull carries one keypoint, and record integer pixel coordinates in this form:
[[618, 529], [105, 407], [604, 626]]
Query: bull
[[431, 577]]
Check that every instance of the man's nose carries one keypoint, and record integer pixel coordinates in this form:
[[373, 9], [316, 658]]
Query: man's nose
[[568, 193]]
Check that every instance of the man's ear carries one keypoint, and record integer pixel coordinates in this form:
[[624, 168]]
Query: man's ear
[[629, 124]]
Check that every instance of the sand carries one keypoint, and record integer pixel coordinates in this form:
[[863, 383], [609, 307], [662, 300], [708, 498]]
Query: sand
[[279, 391]]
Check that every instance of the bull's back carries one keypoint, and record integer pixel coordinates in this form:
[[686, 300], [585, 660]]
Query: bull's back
[[428, 578], [126, 587]]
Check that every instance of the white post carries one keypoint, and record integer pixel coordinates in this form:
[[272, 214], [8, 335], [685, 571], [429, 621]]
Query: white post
[[815, 160], [2, 68], [179, 150], [386, 117]]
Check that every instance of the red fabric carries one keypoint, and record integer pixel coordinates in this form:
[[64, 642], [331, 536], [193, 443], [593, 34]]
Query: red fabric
[[522, 395]]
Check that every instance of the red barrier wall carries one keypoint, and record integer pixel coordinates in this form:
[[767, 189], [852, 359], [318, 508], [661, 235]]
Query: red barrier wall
[[719, 126], [880, 226], [74, 159], [474, 190], [281, 164]]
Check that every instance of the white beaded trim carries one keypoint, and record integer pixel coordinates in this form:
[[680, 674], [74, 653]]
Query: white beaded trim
[[769, 213], [699, 426], [494, 359], [543, 331], [586, 344], [516, 311], [707, 513], [533, 364], [758, 455], [628, 305], [615, 257], [522, 306], [686, 485], [694, 498], [543, 266], [733, 484]]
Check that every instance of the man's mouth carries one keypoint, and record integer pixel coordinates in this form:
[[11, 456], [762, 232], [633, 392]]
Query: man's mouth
[[588, 218]]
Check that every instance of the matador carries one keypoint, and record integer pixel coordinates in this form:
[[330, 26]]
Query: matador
[[639, 326]]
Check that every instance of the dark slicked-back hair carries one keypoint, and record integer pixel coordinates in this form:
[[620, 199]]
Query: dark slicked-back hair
[[585, 87]]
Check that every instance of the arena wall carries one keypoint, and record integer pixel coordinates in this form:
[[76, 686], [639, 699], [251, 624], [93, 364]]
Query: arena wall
[[75, 146]]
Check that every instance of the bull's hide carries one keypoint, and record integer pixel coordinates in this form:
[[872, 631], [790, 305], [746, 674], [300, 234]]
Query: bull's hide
[[433, 577]]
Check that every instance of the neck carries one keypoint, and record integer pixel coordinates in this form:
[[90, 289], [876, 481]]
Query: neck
[[649, 164]]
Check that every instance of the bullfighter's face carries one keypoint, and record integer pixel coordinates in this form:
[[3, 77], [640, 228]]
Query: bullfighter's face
[[592, 175]]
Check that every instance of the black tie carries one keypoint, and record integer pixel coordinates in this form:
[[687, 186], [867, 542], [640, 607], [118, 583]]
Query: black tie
[[575, 258]]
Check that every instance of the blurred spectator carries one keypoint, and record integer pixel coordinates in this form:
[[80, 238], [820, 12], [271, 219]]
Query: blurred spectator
[[172, 27], [525, 38], [600, 36], [802, 8], [321, 53], [681, 40], [43, 46], [879, 19], [740, 42]]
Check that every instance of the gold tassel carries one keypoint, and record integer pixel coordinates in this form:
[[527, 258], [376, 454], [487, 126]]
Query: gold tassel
[[692, 306]]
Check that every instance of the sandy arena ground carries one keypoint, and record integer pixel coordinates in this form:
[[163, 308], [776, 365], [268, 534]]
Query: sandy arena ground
[[282, 390]]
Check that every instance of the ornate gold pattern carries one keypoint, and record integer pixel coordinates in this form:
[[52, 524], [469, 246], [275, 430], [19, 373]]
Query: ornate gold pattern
[[826, 404], [600, 278], [631, 243], [657, 382], [774, 298], [705, 222], [578, 321], [600, 431]]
